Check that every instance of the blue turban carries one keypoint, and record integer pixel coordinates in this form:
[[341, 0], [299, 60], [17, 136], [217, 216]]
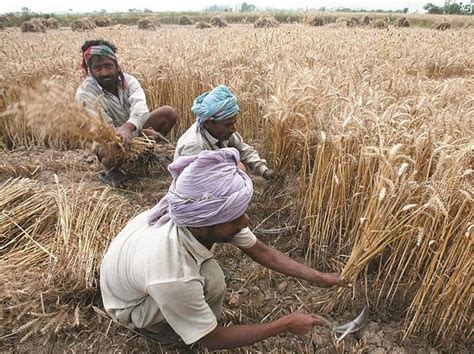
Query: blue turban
[[218, 104]]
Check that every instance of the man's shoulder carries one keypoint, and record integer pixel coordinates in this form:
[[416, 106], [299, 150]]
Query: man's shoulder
[[190, 141], [130, 79], [128, 76], [89, 85]]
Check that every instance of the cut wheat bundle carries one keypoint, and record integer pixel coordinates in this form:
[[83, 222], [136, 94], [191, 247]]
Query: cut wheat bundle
[[52, 272]]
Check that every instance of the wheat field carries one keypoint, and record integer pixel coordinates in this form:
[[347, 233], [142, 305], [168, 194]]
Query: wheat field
[[371, 131]]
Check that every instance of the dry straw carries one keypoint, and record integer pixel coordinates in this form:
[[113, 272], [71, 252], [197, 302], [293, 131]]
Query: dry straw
[[401, 22], [202, 25], [33, 25], [51, 246], [266, 21], [316, 21], [218, 21], [148, 23], [103, 21], [185, 21], [83, 24]]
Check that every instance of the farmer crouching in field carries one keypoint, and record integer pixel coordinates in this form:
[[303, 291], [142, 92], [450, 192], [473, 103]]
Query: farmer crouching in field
[[159, 277], [121, 99], [216, 115]]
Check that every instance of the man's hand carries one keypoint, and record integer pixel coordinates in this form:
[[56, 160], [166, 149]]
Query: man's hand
[[269, 175], [241, 167], [126, 133], [230, 337], [300, 322], [328, 280]]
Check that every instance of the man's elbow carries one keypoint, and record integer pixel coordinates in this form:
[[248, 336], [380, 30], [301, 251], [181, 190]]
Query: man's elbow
[[213, 340]]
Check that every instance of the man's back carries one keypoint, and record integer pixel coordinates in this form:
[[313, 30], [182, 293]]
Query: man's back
[[139, 256]]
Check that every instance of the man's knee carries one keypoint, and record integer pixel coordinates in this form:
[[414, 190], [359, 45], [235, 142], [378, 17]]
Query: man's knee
[[168, 112], [162, 119]]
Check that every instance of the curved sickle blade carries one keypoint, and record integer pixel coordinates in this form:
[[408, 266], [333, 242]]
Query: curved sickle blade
[[352, 326]]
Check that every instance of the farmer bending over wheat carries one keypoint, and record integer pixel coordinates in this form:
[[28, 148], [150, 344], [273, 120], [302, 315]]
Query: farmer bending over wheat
[[216, 115], [159, 277], [122, 101]]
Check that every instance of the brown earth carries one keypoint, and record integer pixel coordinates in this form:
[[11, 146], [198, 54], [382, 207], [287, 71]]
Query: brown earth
[[254, 294]]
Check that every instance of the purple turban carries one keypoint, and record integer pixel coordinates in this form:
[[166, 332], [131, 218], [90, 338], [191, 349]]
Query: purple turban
[[207, 189]]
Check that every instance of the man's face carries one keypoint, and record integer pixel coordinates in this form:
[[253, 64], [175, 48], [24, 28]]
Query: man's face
[[104, 70], [223, 129], [225, 232]]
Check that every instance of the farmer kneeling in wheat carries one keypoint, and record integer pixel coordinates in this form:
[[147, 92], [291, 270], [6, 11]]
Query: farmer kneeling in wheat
[[122, 102], [159, 277], [216, 115]]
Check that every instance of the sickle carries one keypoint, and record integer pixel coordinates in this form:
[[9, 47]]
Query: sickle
[[352, 326], [349, 327]]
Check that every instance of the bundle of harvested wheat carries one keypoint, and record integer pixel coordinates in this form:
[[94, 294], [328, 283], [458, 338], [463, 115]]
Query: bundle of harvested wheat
[[345, 22], [218, 21], [381, 24], [202, 25], [366, 20], [185, 21], [442, 26], [34, 25], [148, 23], [316, 21], [52, 23], [83, 24], [401, 22], [103, 21], [355, 20], [266, 21]]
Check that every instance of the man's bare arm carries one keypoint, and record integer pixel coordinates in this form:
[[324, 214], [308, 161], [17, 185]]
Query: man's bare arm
[[298, 322], [280, 262]]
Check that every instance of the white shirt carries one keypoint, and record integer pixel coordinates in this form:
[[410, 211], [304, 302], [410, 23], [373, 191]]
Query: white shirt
[[129, 106], [196, 139], [164, 263]]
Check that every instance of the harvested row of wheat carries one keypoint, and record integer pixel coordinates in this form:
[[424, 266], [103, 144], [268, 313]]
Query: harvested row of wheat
[[56, 257]]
